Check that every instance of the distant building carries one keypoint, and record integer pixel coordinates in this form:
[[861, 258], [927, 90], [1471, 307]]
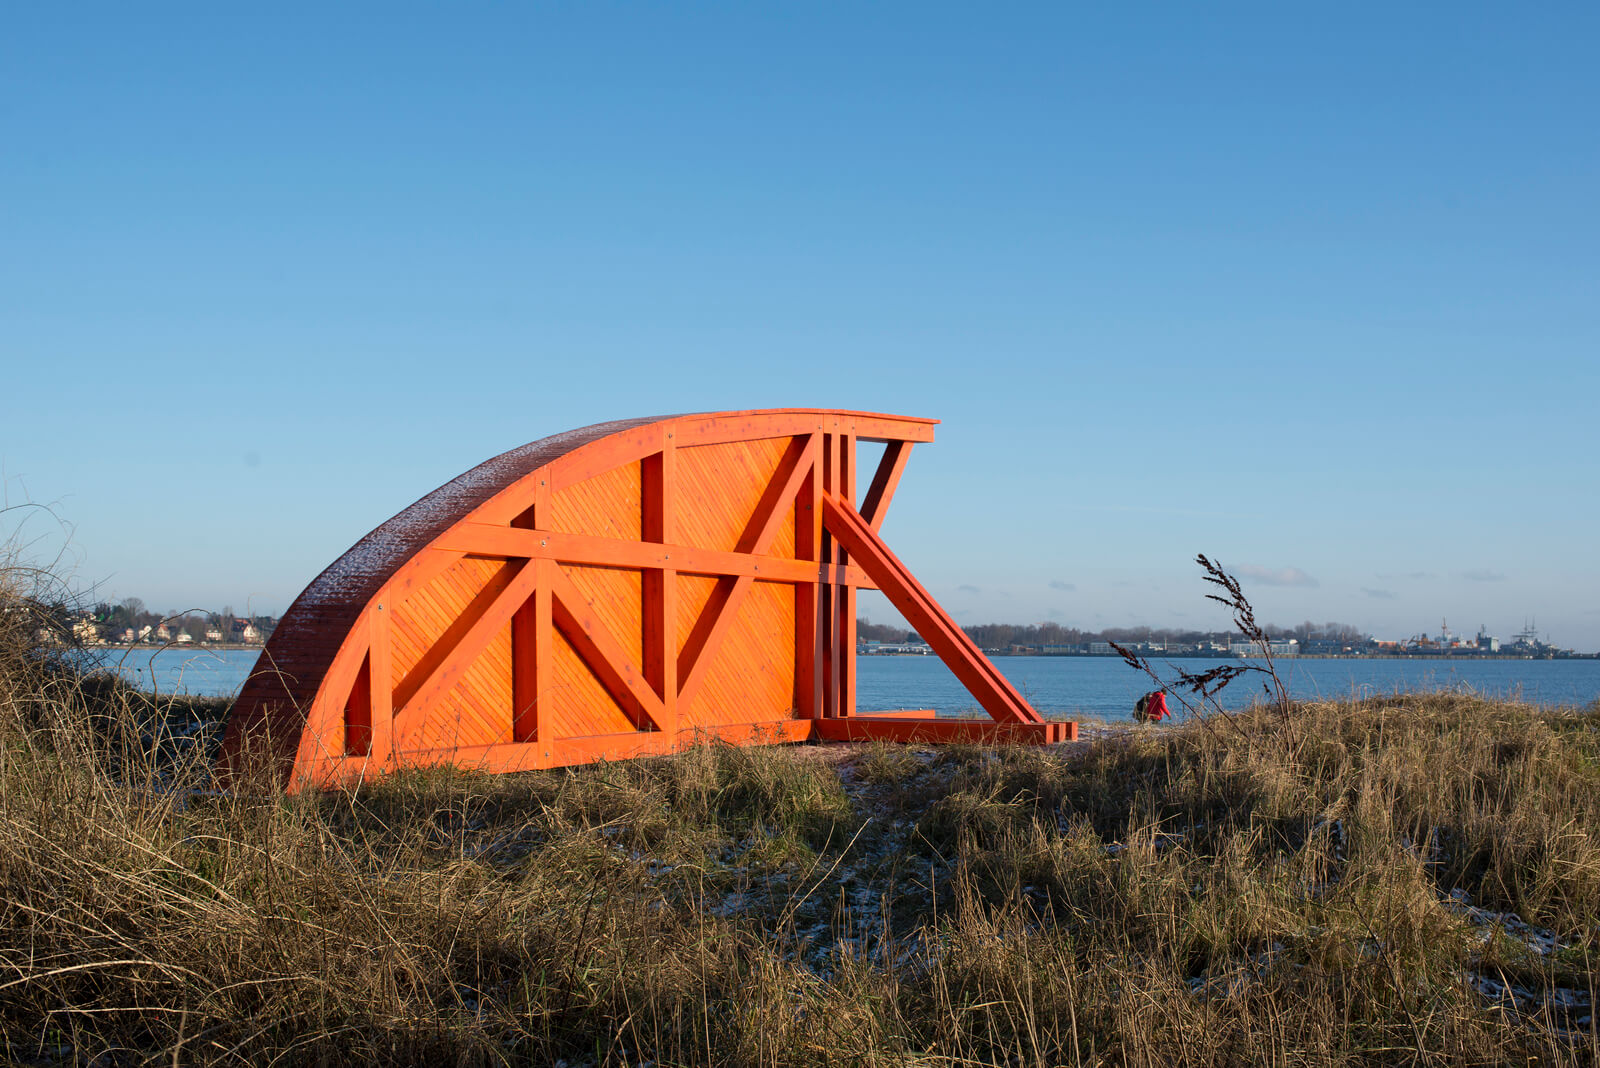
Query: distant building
[[906, 648], [1277, 647]]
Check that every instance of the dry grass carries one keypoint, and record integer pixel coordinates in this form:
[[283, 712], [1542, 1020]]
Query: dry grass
[[1266, 894]]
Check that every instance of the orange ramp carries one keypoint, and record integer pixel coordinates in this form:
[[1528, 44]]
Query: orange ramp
[[621, 590]]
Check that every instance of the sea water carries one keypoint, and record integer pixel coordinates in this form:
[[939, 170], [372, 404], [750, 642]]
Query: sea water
[[1104, 687], [1058, 686]]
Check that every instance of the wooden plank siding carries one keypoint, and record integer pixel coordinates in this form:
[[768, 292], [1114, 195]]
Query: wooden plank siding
[[624, 589]]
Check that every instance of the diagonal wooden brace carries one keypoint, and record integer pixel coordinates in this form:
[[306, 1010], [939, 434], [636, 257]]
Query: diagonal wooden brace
[[577, 620], [717, 616], [981, 678]]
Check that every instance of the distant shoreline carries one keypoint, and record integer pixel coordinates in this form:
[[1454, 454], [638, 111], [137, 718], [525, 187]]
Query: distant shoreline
[[1469, 657], [157, 647], [1457, 658]]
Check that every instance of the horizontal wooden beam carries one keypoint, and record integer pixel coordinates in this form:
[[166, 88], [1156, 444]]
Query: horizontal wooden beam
[[488, 539], [720, 429], [565, 751], [920, 727], [943, 731], [632, 445]]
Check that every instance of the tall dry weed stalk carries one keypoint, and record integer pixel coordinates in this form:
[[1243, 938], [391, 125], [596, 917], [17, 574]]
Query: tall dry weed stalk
[[1198, 692]]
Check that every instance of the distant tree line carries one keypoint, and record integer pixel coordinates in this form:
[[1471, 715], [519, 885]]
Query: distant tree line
[[868, 631], [1005, 635], [113, 618]]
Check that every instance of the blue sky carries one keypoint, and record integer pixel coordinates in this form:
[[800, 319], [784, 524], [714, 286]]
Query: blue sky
[[1311, 291]]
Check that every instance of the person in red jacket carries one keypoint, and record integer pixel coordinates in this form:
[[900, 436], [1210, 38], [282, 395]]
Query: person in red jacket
[[1151, 707]]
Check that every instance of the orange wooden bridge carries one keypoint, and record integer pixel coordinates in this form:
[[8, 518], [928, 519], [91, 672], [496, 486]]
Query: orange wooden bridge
[[625, 589]]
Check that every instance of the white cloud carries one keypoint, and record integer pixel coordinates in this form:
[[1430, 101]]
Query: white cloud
[[1274, 576], [1482, 574]]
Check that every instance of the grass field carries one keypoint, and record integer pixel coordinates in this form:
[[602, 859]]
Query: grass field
[[1409, 880]]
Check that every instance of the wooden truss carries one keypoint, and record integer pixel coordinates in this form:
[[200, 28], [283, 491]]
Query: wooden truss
[[627, 589]]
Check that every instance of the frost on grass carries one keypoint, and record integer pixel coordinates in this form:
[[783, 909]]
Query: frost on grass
[[1322, 892]]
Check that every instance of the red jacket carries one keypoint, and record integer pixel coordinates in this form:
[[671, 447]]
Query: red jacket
[[1156, 706]]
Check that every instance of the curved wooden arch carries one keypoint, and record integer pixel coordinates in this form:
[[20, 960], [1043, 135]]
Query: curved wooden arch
[[623, 589]]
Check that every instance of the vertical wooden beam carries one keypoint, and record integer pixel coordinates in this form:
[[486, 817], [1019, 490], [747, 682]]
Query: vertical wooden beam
[[358, 712], [659, 589], [380, 670], [530, 633], [807, 596], [847, 592], [530, 658], [342, 723], [533, 672], [828, 612]]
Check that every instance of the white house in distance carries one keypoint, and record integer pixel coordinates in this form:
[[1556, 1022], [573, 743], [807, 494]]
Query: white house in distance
[[1278, 647]]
